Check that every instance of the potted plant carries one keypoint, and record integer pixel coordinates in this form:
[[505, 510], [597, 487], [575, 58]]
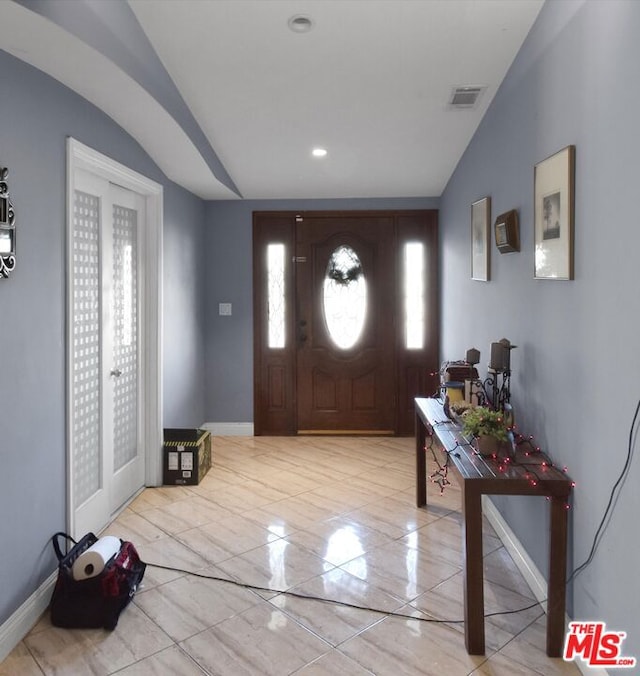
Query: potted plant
[[488, 428]]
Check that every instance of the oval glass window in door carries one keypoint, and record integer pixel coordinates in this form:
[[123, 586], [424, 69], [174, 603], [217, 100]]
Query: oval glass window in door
[[344, 297]]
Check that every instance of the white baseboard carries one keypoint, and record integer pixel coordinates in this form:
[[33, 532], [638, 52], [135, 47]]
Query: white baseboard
[[229, 429], [521, 558], [23, 620], [527, 568]]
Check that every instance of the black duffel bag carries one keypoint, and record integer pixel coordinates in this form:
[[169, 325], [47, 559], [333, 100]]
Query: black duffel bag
[[96, 601]]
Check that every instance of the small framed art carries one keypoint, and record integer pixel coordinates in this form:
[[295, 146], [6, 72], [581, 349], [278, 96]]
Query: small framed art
[[507, 232], [553, 188], [480, 250]]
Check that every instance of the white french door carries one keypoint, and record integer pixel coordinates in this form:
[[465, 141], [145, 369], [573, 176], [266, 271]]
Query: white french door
[[108, 390]]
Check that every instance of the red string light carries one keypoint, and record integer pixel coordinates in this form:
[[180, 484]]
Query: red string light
[[440, 475]]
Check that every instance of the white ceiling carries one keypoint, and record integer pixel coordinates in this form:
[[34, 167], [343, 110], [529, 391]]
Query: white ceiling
[[370, 83]]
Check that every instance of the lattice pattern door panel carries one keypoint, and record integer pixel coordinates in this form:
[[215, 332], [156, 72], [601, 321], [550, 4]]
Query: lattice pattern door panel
[[125, 340], [86, 348]]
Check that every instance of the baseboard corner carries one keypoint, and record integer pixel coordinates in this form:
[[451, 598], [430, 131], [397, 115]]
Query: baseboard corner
[[25, 617], [229, 429]]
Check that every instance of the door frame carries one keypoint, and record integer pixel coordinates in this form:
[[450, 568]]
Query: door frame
[[80, 156], [274, 370]]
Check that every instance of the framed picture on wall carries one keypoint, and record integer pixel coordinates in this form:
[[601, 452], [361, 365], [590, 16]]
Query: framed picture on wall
[[553, 188], [480, 250]]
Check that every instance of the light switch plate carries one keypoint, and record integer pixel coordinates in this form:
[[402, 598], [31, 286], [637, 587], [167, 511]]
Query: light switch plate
[[224, 309]]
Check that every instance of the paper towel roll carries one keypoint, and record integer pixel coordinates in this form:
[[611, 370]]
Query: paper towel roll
[[92, 562]]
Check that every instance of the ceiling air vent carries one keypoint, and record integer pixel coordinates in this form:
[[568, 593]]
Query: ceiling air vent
[[465, 97]]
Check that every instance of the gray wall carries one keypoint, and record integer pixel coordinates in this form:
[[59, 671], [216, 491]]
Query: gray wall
[[37, 114], [184, 268], [577, 365], [575, 379], [229, 364]]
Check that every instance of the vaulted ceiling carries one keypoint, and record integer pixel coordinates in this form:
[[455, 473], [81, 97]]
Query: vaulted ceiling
[[230, 101]]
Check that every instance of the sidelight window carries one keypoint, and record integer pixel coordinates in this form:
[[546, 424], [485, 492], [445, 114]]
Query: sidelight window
[[275, 295], [414, 300]]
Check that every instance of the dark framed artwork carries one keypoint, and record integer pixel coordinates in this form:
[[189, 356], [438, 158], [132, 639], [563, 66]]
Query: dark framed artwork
[[480, 249], [553, 192], [507, 232], [7, 228]]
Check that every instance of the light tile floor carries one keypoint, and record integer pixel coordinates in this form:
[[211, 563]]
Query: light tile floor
[[330, 517]]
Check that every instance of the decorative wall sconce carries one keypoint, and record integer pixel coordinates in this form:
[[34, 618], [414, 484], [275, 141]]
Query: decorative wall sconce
[[7, 228]]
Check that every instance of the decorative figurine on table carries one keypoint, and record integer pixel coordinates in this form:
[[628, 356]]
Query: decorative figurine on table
[[459, 380], [500, 366]]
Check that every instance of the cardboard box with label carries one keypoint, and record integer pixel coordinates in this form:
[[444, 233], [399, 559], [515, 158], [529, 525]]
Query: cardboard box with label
[[187, 456]]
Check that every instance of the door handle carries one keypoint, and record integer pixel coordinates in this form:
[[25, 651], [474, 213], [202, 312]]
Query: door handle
[[115, 372]]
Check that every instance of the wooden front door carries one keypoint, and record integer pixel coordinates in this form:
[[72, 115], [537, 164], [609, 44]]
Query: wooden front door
[[354, 366], [345, 273]]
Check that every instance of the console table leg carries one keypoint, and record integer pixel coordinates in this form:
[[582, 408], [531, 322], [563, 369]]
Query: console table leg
[[556, 593], [473, 574], [421, 463]]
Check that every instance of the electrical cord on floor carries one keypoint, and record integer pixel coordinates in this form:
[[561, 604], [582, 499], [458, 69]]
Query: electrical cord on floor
[[308, 597], [596, 541]]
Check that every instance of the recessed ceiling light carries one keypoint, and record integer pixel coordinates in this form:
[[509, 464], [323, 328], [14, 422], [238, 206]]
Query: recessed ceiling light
[[300, 23], [319, 152]]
